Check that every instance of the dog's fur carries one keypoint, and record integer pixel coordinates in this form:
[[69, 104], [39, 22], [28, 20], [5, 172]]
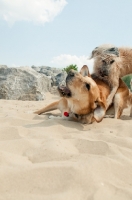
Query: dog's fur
[[80, 97], [112, 63], [85, 97]]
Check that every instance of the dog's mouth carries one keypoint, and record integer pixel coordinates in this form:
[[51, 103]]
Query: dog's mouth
[[103, 73], [64, 91]]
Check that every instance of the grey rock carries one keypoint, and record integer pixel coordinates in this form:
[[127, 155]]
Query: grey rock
[[23, 83], [59, 79], [37, 69], [54, 90], [3, 66], [48, 71], [57, 76]]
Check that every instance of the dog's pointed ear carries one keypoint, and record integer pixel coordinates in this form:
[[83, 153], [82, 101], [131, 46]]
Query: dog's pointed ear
[[99, 111], [85, 71]]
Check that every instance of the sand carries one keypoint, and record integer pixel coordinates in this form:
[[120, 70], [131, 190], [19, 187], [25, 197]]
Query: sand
[[55, 159]]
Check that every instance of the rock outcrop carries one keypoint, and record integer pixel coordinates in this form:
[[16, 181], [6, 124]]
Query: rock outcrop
[[57, 75], [23, 83], [59, 79], [48, 71]]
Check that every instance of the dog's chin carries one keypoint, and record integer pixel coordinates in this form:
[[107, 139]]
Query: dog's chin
[[64, 91]]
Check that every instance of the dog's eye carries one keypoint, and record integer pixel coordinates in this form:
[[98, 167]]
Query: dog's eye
[[88, 86], [112, 61], [104, 62]]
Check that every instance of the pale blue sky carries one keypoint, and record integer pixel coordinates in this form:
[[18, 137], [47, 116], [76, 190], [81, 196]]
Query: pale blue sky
[[57, 33]]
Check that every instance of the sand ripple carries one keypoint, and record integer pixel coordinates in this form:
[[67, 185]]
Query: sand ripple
[[47, 159]]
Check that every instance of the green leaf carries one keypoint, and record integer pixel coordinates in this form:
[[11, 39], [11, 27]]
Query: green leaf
[[68, 68], [127, 79]]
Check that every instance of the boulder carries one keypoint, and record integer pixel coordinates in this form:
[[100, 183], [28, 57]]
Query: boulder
[[48, 71], [59, 79], [23, 83], [57, 76], [3, 66]]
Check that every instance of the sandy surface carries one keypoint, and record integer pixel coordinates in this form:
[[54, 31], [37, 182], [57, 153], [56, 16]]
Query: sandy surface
[[54, 159]]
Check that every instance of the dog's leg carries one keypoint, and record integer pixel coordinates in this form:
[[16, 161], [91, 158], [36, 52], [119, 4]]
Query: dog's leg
[[111, 96], [118, 112], [118, 105], [113, 78], [110, 113], [50, 107]]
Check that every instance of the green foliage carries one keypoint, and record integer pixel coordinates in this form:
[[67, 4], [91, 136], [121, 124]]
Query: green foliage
[[127, 80], [68, 68]]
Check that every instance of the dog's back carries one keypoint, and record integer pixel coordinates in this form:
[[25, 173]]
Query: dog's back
[[124, 61], [122, 98]]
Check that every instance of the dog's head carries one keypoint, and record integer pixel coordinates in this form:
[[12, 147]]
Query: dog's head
[[84, 94], [104, 56]]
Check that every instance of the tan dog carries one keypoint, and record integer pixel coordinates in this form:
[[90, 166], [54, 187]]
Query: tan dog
[[79, 98], [84, 98], [112, 63]]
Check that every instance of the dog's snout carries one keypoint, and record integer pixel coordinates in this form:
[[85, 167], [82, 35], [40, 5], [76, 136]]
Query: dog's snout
[[71, 73], [70, 76]]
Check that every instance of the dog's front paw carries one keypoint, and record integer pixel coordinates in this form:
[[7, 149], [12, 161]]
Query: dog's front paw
[[37, 112]]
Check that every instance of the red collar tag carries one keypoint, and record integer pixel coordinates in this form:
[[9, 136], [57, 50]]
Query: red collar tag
[[66, 114]]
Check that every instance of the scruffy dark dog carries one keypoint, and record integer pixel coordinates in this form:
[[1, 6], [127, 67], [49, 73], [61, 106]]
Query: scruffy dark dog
[[112, 63]]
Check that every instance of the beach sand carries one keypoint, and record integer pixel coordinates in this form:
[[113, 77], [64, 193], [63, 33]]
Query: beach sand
[[55, 159]]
